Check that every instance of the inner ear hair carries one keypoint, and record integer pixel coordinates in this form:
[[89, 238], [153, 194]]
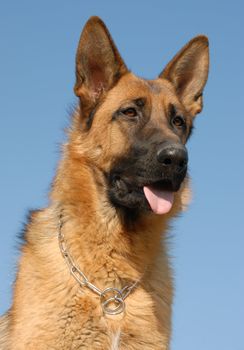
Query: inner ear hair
[[98, 62]]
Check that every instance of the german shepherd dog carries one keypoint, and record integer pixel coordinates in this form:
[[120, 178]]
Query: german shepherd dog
[[94, 272]]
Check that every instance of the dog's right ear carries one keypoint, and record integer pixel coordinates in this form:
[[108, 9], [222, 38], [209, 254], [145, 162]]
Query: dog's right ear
[[98, 63]]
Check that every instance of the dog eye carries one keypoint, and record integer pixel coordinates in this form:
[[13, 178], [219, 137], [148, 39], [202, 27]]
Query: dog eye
[[178, 121], [130, 112]]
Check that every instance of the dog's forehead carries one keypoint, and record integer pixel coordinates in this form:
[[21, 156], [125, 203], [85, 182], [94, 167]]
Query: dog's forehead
[[131, 87], [160, 86]]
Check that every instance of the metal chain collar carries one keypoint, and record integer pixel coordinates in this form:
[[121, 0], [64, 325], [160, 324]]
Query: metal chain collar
[[112, 299]]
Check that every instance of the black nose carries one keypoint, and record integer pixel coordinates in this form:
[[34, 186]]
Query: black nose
[[173, 156]]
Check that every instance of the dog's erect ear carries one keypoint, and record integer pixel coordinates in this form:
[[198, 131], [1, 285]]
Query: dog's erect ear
[[98, 62], [188, 72]]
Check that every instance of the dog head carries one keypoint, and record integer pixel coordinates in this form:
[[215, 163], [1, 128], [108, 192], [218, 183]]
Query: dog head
[[135, 130]]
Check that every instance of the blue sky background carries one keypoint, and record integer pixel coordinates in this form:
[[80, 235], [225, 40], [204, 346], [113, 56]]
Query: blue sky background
[[38, 40]]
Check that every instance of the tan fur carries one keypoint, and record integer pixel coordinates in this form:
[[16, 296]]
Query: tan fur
[[50, 311]]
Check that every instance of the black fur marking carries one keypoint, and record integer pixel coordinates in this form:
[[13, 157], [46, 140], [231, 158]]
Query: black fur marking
[[185, 129], [90, 119], [196, 97], [140, 102], [171, 111], [136, 169], [91, 116]]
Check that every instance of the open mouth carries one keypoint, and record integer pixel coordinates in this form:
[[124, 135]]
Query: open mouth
[[157, 196]]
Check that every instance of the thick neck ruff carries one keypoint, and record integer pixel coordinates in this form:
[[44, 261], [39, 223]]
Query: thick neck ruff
[[112, 299]]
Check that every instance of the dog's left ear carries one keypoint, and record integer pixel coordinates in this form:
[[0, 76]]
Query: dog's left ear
[[98, 63], [188, 72]]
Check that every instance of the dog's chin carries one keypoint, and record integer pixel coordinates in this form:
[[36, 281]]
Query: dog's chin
[[153, 196], [122, 195]]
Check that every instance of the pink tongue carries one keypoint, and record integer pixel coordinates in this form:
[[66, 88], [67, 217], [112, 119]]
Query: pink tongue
[[160, 201]]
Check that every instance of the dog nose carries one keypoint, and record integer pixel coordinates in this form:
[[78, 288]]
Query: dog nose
[[173, 156]]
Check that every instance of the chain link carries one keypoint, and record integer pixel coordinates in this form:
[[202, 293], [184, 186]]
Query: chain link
[[112, 299]]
